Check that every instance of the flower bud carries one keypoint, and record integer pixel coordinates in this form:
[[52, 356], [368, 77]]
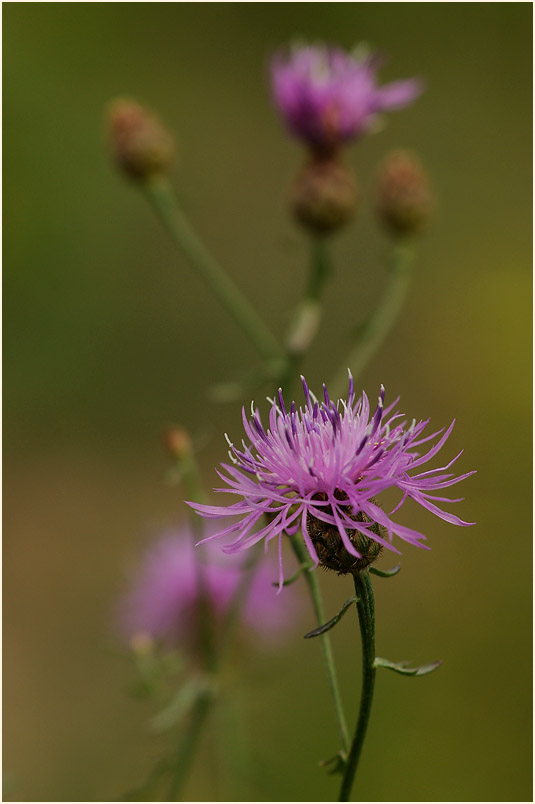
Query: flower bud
[[140, 144], [177, 442], [330, 549], [323, 195], [404, 199]]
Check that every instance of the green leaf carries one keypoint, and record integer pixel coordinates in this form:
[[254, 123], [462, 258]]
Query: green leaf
[[338, 762], [337, 617], [180, 704], [299, 571], [385, 573], [404, 670]]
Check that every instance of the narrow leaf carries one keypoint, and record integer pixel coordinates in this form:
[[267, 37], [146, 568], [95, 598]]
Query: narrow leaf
[[338, 763], [337, 617], [179, 706], [295, 576], [385, 573], [404, 670]]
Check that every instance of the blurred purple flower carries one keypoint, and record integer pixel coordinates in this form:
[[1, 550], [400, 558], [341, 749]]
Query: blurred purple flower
[[327, 461], [163, 599], [327, 96]]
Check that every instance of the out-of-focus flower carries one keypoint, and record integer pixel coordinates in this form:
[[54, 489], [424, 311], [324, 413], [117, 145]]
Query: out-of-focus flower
[[404, 199], [165, 597], [328, 97], [320, 469], [140, 144]]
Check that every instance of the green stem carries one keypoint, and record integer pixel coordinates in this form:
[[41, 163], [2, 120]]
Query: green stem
[[313, 587], [375, 330], [307, 316], [321, 267], [366, 613], [160, 195], [188, 744]]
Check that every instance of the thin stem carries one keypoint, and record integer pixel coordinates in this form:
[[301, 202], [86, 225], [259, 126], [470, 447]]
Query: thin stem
[[188, 744], [366, 613], [160, 195], [307, 316], [373, 333], [321, 267], [313, 587]]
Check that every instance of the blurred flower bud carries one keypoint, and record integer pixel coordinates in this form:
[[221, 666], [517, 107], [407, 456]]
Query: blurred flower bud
[[323, 195], [404, 200], [177, 442], [140, 145]]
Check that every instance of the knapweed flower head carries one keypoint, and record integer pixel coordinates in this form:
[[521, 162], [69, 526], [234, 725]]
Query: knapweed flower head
[[165, 596], [320, 468], [328, 97]]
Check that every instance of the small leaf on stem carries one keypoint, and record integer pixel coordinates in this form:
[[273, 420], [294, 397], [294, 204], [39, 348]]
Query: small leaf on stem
[[338, 762], [180, 704], [385, 573], [302, 568], [331, 623], [404, 670]]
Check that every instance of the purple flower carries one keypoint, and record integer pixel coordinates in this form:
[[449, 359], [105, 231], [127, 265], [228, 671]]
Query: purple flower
[[323, 466], [163, 600], [327, 96]]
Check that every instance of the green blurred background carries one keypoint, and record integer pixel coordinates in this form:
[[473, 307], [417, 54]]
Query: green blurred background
[[110, 336]]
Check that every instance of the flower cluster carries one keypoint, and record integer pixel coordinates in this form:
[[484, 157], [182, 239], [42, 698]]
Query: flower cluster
[[328, 97], [165, 597], [323, 466]]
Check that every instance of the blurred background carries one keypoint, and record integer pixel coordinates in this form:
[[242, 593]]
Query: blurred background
[[110, 336]]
